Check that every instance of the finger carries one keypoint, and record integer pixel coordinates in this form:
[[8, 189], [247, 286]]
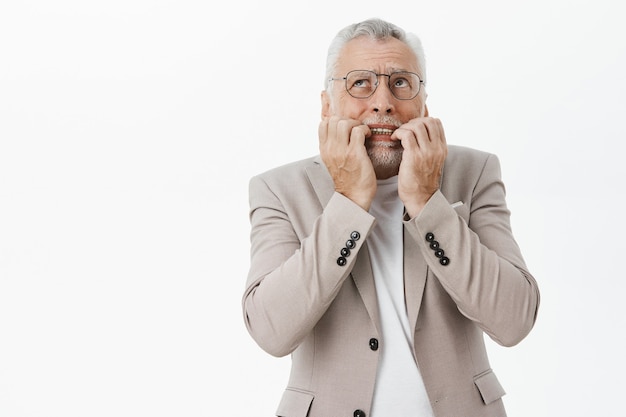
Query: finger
[[344, 129], [429, 133], [438, 148], [336, 140], [422, 135], [435, 130], [358, 134], [442, 133], [332, 130], [407, 138], [322, 132]]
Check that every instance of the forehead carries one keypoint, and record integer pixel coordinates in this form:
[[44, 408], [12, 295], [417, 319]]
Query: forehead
[[378, 55]]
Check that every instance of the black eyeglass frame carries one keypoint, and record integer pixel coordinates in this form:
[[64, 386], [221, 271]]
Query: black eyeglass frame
[[345, 79]]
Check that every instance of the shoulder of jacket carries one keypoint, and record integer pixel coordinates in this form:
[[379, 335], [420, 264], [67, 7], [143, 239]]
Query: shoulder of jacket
[[463, 152], [290, 170], [465, 165]]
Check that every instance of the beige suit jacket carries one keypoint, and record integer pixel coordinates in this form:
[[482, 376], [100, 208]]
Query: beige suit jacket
[[302, 299]]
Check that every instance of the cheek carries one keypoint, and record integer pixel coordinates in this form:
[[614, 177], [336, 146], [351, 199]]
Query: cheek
[[349, 107], [414, 109]]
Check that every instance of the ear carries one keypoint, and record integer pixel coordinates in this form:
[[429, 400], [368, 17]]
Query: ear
[[325, 104]]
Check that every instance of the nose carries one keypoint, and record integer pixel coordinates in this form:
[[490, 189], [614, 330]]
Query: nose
[[382, 101]]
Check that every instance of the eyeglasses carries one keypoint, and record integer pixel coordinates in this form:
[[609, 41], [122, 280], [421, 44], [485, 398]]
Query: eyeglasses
[[403, 85]]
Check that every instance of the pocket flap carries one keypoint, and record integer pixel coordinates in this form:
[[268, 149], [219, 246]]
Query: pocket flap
[[489, 386], [294, 404]]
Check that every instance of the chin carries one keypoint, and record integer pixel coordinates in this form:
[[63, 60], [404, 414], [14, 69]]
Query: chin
[[386, 160]]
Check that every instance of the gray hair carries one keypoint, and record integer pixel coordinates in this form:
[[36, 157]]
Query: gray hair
[[375, 29]]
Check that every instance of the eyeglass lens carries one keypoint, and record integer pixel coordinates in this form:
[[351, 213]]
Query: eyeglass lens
[[362, 84]]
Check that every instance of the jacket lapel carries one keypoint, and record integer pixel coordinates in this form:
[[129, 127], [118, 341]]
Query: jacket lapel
[[364, 280], [415, 271]]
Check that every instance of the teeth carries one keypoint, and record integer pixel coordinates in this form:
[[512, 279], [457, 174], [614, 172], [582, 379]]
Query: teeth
[[381, 131]]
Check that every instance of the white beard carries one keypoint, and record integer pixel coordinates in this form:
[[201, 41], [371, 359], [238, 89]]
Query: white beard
[[385, 156]]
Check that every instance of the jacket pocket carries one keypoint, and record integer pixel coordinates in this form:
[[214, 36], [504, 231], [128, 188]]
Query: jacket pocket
[[295, 403], [489, 386]]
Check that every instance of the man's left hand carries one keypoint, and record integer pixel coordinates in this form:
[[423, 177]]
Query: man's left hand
[[425, 151]]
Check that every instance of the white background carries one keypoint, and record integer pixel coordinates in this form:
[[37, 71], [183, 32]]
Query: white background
[[129, 130]]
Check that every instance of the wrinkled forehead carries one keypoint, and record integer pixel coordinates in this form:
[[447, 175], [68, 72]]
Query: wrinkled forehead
[[378, 55]]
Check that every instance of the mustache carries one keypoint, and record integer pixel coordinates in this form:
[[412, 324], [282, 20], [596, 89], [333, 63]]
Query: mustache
[[383, 120]]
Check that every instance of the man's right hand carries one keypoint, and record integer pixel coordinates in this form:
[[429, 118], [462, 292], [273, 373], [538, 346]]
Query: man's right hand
[[342, 148]]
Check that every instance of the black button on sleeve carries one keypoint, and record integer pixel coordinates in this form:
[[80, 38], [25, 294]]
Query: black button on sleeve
[[341, 261], [359, 413], [355, 235], [350, 244], [439, 253], [374, 343], [345, 252]]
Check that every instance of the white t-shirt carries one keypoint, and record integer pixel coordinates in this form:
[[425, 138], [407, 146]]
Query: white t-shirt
[[399, 389]]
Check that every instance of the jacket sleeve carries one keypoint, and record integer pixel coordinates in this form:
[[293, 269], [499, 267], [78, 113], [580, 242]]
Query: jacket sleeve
[[293, 279], [483, 270]]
